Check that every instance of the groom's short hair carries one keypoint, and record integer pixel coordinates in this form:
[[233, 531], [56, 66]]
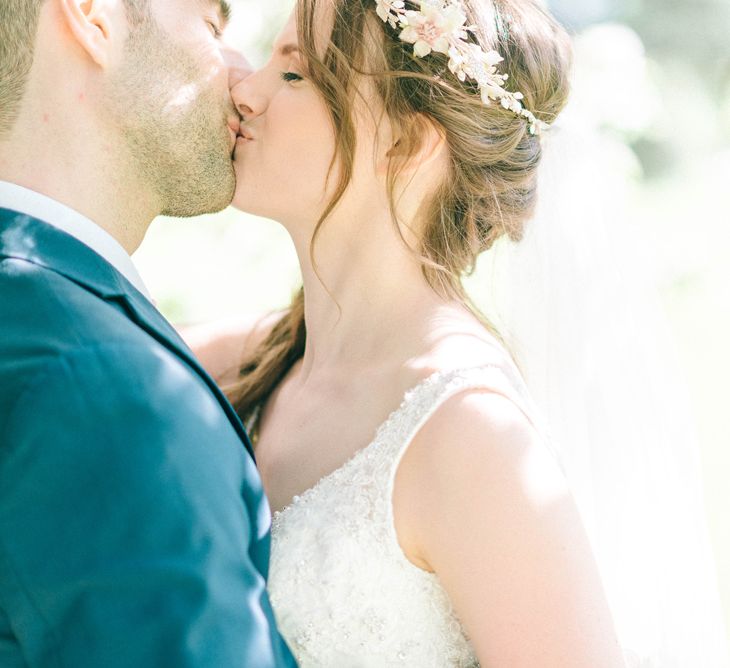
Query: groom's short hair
[[18, 30]]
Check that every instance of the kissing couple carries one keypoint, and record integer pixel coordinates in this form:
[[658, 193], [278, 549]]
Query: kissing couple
[[359, 480]]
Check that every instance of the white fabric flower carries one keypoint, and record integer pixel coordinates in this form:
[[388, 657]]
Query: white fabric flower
[[457, 61], [440, 26], [434, 28], [491, 58], [390, 11]]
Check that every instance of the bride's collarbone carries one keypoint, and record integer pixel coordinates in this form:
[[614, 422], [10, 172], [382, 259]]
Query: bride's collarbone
[[301, 443], [307, 433]]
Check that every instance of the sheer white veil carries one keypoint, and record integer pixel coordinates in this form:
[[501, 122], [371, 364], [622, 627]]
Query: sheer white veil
[[576, 300]]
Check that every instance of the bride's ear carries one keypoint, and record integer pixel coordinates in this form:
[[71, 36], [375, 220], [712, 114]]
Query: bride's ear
[[420, 144]]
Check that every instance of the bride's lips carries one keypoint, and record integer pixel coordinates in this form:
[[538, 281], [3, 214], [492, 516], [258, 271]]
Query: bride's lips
[[245, 134], [244, 137]]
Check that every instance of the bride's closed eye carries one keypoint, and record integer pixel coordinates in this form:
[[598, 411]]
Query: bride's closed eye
[[291, 77]]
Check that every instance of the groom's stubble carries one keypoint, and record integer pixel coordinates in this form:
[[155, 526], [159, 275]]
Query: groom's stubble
[[173, 124]]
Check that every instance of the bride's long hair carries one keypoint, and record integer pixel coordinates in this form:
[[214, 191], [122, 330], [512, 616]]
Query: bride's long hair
[[491, 185]]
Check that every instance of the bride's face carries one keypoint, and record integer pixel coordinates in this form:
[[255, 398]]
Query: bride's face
[[282, 164]]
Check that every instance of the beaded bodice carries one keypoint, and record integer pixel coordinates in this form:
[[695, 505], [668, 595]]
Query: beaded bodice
[[344, 593]]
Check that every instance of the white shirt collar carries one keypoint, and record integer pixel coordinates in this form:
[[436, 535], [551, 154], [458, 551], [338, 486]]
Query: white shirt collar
[[64, 218]]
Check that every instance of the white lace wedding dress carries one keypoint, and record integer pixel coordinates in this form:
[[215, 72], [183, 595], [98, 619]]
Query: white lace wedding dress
[[344, 593]]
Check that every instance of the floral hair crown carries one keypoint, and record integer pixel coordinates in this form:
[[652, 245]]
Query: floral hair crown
[[440, 26]]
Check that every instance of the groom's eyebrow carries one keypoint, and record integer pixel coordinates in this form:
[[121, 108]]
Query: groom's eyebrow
[[224, 9]]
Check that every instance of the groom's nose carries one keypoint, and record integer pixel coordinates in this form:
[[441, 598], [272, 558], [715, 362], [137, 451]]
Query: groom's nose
[[249, 98], [238, 67]]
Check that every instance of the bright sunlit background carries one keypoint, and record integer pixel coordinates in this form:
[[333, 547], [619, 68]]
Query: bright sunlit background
[[654, 77]]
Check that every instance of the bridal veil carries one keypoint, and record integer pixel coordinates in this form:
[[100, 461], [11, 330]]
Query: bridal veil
[[577, 303]]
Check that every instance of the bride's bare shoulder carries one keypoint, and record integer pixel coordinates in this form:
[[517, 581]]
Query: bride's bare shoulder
[[479, 433], [480, 501], [466, 347]]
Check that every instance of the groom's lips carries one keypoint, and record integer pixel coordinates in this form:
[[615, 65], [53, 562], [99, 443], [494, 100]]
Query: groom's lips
[[234, 125]]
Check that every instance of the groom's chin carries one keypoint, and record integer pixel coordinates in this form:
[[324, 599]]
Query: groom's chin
[[203, 196]]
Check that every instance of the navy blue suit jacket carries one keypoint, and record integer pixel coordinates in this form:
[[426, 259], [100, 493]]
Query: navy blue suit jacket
[[134, 530]]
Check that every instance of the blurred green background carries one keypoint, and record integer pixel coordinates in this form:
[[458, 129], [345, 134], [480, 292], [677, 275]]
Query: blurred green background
[[654, 77]]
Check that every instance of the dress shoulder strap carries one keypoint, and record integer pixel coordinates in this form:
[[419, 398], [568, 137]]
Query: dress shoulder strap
[[421, 402]]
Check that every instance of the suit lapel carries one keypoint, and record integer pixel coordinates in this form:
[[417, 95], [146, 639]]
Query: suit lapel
[[38, 242], [146, 316]]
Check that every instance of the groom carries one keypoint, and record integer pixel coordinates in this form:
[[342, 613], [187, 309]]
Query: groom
[[133, 527]]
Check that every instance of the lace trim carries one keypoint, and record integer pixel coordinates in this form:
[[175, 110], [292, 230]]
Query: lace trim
[[409, 408], [382, 429], [417, 408], [340, 581]]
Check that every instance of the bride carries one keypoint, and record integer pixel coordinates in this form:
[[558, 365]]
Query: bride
[[420, 515]]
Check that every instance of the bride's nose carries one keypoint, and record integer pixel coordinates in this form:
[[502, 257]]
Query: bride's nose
[[247, 102], [249, 98]]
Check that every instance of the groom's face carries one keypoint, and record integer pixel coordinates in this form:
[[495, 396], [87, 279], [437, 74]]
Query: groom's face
[[171, 99]]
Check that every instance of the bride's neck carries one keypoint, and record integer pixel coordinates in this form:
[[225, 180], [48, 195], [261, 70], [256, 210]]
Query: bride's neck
[[367, 302]]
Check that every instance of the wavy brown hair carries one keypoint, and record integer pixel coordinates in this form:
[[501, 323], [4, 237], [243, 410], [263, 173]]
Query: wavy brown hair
[[490, 188]]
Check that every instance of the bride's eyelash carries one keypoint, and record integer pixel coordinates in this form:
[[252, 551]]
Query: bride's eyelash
[[291, 76]]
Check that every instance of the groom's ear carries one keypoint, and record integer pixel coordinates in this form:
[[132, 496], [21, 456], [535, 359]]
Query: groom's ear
[[95, 25]]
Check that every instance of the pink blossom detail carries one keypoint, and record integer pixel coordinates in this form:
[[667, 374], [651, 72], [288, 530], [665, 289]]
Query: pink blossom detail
[[433, 28]]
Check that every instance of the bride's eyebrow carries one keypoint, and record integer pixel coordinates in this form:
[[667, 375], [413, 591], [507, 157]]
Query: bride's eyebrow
[[288, 49]]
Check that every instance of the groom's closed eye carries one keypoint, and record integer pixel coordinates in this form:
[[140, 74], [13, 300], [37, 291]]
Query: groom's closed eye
[[223, 9]]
